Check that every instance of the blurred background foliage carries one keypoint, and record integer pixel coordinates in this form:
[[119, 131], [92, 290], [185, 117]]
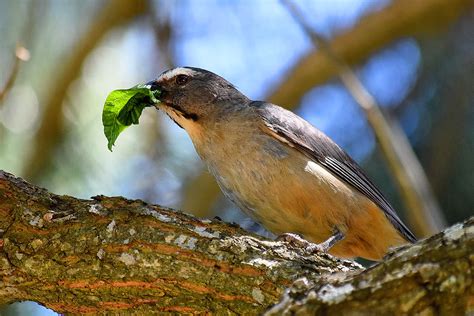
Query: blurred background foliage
[[417, 59]]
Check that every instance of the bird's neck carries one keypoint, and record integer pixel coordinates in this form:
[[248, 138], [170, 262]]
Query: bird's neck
[[222, 130]]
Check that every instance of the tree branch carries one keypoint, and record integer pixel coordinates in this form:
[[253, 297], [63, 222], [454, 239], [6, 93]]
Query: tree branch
[[117, 254], [401, 18], [113, 254], [433, 277], [21, 54]]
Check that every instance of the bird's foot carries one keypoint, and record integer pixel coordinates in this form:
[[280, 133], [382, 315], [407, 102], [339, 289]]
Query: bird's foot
[[298, 242], [59, 216], [311, 248]]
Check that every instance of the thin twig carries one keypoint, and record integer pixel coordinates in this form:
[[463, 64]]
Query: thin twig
[[424, 213], [21, 54]]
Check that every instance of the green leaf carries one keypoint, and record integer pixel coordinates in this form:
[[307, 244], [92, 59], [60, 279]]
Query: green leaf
[[123, 108]]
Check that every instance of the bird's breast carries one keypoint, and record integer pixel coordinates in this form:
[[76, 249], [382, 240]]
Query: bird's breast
[[265, 177]]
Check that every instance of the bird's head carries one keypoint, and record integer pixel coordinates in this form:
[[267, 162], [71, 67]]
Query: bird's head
[[192, 96]]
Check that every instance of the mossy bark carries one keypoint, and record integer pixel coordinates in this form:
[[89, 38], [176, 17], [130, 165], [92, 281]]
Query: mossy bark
[[110, 254]]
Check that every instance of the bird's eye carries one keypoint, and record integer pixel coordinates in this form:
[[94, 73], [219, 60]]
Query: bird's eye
[[182, 79]]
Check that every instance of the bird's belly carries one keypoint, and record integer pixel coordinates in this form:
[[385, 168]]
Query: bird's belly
[[282, 189], [287, 192]]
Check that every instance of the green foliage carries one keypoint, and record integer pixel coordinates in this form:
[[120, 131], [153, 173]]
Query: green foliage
[[123, 108]]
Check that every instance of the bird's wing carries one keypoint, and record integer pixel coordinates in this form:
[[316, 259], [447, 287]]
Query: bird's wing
[[298, 133]]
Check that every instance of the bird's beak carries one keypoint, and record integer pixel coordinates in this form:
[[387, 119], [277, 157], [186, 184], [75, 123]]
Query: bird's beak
[[153, 86]]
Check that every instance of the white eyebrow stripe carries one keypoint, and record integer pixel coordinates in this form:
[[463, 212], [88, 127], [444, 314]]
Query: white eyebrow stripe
[[175, 72]]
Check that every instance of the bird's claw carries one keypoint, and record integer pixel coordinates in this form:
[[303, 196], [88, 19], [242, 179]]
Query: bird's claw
[[59, 216], [297, 241]]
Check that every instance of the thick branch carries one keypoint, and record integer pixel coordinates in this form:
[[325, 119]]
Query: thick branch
[[80, 256], [113, 254], [433, 277]]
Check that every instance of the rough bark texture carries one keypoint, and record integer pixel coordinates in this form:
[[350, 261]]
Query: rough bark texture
[[433, 277], [110, 254]]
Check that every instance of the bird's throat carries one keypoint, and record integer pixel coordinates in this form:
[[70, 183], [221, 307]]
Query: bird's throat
[[180, 112], [183, 119]]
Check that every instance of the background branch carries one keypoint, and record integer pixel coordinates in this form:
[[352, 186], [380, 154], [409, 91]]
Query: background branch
[[21, 54], [51, 131], [401, 18]]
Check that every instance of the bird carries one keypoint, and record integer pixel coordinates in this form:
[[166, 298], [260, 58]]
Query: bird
[[279, 169]]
